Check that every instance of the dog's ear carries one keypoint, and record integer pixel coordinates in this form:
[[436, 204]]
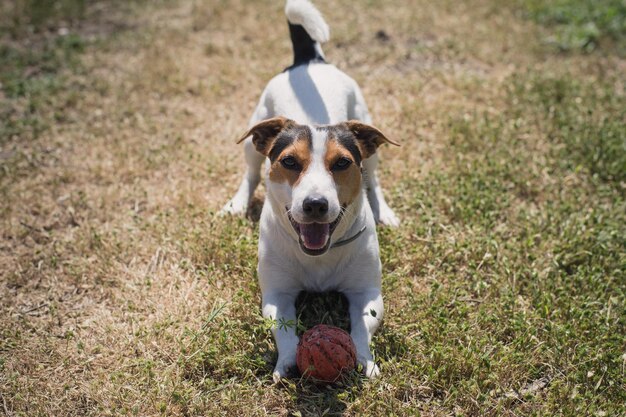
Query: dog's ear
[[264, 133], [368, 137]]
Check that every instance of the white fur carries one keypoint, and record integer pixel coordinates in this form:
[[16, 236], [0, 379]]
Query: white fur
[[316, 182], [315, 94], [302, 12]]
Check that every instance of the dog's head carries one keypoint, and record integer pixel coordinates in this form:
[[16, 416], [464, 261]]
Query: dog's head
[[314, 173]]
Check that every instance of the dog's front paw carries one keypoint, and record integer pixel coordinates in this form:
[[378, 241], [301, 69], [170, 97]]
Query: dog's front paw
[[387, 217], [284, 369], [370, 369], [277, 376]]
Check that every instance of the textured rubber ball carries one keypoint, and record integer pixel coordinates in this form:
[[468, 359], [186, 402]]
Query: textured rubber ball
[[325, 352]]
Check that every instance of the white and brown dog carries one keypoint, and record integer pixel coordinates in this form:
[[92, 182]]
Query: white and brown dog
[[317, 228]]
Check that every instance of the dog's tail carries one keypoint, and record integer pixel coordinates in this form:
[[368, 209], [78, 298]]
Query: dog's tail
[[308, 30]]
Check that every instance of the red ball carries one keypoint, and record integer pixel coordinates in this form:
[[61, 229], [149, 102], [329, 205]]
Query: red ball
[[324, 352]]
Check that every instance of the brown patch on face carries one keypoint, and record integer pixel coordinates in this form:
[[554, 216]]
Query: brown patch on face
[[348, 180], [301, 152]]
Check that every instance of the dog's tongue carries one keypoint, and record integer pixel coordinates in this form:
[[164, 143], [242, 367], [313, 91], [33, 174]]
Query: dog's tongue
[[314, 235]]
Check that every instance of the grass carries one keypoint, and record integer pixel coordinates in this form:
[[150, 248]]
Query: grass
[[582, 25], [542, 265], [31, 82], [23, 16], [123, 293], [37, 47]]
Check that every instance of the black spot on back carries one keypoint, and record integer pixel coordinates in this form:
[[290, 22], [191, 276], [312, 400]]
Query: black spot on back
[[304, 50]]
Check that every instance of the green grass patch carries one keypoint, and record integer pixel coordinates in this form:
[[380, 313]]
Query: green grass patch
[[35, 64], [31, 81], [38, 44], [585, 122], [581, 24], [27, 16], [26, 70]]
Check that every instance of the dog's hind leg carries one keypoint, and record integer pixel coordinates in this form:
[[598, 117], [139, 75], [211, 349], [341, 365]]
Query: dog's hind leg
[[382, 212]]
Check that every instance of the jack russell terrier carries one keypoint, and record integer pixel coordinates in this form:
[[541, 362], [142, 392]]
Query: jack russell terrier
[[318, 227]]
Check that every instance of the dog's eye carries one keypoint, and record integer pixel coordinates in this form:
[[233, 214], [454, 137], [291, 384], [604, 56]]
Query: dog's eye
[[341, 164], [290, 162]]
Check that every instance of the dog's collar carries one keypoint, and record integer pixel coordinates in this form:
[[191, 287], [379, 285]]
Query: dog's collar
[[349, 240]]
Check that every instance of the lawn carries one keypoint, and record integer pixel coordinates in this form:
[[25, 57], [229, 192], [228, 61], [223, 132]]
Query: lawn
[[123, 292]]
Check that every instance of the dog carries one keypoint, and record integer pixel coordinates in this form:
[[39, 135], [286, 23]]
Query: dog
[[318, 224]]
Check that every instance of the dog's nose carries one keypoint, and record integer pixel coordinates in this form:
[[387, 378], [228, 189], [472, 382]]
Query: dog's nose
[[315, 207]]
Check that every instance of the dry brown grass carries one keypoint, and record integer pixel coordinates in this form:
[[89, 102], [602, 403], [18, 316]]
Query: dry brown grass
[[111, 255]]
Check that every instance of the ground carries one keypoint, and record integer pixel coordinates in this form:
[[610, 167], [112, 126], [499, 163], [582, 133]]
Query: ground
[[123, 292]]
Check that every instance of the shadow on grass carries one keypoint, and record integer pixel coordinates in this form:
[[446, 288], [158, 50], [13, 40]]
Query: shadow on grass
[[330, 308], [315, 399], [254, 209]]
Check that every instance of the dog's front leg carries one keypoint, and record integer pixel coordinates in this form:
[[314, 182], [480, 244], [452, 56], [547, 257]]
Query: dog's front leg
[[366, 314], [239, 203], [280, 308]]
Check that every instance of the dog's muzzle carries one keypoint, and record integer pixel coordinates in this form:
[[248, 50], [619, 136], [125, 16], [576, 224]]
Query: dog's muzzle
[[314, 237]]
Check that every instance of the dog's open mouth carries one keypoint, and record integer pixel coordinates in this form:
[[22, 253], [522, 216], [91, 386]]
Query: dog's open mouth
[[314, 238]]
